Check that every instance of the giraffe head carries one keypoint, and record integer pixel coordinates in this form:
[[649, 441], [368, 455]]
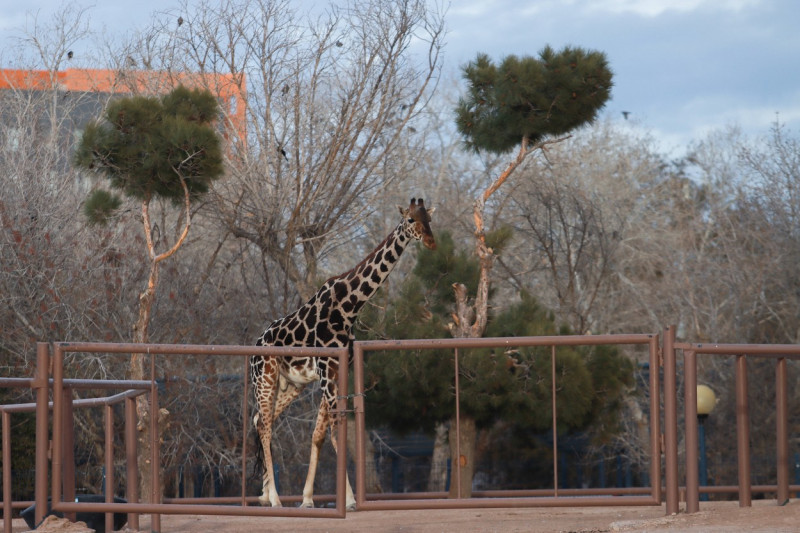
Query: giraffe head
[[418, 222]]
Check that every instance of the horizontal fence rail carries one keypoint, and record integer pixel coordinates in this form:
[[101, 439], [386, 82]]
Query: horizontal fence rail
[[49, 377], [62, 466], [777, 352], [486, 499]]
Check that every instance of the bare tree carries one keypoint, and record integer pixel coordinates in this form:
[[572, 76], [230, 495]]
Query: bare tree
[[61, 280], [581, 210], [772, 173], [44, 242], [327, 102], [58, 281]]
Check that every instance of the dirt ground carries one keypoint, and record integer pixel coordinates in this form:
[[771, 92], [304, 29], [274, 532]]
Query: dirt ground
[[714, 517]]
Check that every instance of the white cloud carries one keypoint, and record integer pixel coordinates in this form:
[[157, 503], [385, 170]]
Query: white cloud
[[471, 9], [12, 21], [654, 8]]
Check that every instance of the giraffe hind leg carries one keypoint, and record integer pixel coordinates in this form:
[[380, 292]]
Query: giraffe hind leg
[[265, 383], [325, 419], [317, 439]]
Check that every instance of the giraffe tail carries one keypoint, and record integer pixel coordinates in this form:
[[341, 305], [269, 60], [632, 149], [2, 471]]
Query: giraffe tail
[[258, 467]]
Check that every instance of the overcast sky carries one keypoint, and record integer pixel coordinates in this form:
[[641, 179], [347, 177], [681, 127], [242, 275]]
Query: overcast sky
[[681, 67]]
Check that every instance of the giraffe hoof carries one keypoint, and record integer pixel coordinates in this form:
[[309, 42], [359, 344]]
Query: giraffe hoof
[[307, 504], [351, 506], [264, 502]]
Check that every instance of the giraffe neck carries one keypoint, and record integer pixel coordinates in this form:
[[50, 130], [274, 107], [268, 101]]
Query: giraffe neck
[[352, 289], [327, 318]]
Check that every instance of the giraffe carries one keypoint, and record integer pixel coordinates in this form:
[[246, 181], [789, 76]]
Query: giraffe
[[326, 320]]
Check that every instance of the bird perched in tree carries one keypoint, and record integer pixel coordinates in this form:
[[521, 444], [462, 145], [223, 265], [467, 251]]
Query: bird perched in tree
[[69, 54]]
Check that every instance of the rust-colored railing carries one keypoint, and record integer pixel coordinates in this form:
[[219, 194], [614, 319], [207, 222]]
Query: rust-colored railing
[[62, 468], [62, 480], [663, 439], [553, 498], [107, 402], [777, 352]]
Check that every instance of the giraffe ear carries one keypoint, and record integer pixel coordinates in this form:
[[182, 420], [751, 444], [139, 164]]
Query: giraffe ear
[[430, 210], [403, 211]]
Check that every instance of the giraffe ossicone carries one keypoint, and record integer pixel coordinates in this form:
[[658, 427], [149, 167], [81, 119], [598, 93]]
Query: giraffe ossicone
[[326, 320]]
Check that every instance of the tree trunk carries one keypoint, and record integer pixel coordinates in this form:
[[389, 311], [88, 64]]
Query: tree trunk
[[462, 454], [469, 321], [141, 336], [437, 480], [137, 372], [373, 482], [470, 318]]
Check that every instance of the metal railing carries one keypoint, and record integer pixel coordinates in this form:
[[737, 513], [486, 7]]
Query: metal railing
[[553, 498], [107, 402], [62, 481], [663, 438], [777, 352]]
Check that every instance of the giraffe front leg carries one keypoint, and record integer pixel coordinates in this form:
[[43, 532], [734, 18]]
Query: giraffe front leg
[[269, 493], [350, 500]]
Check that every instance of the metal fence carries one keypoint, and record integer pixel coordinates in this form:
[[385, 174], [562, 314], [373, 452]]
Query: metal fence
[[59, 470], [517, 498], [779, 353]]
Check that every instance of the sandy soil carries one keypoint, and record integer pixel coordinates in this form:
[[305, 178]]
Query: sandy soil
[[714, 517]]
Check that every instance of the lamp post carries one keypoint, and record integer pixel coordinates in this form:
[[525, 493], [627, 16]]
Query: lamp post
[[706, 400]]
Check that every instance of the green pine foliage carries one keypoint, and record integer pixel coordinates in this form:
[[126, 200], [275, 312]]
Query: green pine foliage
[[612, 377], [145, 145], [531, 97], [591, 381], [414, 390], [438, 269], [100, 206]]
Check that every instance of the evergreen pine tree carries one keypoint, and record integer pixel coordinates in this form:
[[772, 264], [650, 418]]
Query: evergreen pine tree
[[531, 97], [149, 148], [413, 391]]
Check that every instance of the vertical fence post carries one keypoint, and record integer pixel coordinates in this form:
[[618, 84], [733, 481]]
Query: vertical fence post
[[670, 420], [458, 430], [131, 467], [782, 416], [555, 418], [7, 499], [58, 422], [656, 448], [690, 409], [109, 463], [245, 422], [68, 451], [42, 426], [155, 448], [341, 437], [743, 432], [358, 408]]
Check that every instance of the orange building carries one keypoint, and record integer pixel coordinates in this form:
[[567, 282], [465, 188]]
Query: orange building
[[229, 88]]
